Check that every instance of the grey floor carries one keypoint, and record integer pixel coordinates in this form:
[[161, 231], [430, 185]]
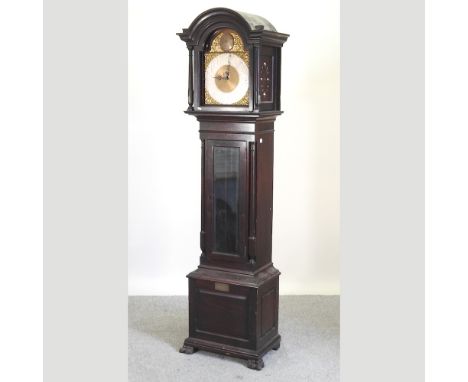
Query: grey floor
[[309, 327]]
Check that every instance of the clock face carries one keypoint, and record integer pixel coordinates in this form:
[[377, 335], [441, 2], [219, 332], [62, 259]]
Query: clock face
[[226, 70], [227, 79]]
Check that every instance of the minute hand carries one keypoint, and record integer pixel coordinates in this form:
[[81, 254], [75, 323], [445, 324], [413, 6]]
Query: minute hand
[[229, 66], [221, 77]]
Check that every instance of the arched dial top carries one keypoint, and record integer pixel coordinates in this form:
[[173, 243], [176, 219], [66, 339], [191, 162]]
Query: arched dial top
[[226, 40], [226, 69]]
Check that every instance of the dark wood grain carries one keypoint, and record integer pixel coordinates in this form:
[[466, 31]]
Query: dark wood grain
[[233, 296]]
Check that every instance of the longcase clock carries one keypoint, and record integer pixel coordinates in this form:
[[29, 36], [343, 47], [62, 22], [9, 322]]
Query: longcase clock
[[234, 92]]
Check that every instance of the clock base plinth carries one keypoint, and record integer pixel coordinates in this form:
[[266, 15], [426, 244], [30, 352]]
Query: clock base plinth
[[233, 314], [254, 358]]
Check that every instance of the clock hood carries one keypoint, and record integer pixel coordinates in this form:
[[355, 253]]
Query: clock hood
[[253, 27]]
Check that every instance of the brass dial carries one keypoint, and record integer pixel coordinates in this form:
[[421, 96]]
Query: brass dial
[[227, 79], [226, 70]]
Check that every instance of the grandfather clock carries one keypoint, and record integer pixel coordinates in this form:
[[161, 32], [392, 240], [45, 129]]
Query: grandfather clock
[[234, 92]]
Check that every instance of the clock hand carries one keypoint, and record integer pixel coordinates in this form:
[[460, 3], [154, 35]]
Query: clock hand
[[229, 66], [225, 76]]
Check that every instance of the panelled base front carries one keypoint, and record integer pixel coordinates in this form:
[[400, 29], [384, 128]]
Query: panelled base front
[[233, 314]]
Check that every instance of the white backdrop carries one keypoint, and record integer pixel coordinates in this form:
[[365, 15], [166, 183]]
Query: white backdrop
[[164, 148]]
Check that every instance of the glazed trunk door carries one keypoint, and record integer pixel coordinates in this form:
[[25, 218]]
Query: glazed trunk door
[[226, 200]]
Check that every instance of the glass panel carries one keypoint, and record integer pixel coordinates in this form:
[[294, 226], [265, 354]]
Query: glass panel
[[226, 199]]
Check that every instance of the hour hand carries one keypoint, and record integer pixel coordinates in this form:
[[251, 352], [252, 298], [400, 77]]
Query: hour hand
[[225, 76]]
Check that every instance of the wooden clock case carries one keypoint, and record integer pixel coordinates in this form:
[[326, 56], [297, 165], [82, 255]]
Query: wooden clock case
[[233, 295]]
